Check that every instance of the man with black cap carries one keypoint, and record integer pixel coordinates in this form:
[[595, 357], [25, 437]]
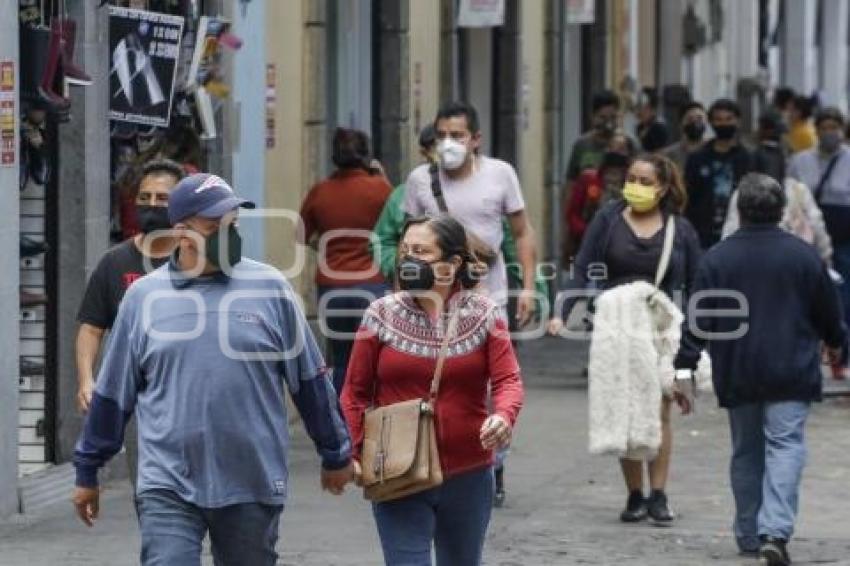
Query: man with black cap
[[200, 350]]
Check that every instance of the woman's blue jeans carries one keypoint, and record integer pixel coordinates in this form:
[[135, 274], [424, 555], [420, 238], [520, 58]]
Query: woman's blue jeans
[[452, 517]]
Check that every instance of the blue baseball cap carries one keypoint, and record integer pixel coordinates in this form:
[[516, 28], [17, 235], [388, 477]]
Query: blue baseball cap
[[205, 195]]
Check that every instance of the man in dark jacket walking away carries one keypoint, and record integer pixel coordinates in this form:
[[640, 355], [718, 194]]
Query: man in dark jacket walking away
[[766, 362]]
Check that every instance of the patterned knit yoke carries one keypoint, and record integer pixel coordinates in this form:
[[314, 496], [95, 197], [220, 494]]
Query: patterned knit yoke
[[399, 322], [394, 358]]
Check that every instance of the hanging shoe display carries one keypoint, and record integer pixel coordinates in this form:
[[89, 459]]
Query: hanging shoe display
[[53, 74], [36, 65], [38, 165], [73, 73]]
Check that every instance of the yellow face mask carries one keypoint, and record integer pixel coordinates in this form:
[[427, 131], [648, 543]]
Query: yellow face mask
[[640, 197]]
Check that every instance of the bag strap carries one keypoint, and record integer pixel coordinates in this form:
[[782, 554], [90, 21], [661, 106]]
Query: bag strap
[[825, 177], [444, 350], [666, 250], [437, 188]]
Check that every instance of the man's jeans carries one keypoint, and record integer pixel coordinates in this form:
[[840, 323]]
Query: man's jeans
[[768, 456], [342, 314], [454, 517], [173, 531]]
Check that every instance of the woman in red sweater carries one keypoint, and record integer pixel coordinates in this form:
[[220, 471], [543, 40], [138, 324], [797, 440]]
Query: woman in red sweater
[[338, 215], [393, 360]]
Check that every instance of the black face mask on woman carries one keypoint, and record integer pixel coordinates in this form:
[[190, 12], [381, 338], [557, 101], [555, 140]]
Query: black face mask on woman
[[415, 274]]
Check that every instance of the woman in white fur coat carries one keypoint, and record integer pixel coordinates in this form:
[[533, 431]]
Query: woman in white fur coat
[[630, 370]]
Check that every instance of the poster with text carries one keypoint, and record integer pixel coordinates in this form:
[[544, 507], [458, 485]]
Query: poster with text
[[144, 48]]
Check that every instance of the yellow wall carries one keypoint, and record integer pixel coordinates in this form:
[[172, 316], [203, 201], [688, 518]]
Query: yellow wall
[[284, 163], [424, 68], [532, 109], [647, 37]]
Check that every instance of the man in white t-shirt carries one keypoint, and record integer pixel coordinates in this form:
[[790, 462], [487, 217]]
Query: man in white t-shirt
[[480, 192]]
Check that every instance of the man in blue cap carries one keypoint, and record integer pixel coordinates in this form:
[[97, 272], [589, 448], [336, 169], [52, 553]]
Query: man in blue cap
[[200, 350]]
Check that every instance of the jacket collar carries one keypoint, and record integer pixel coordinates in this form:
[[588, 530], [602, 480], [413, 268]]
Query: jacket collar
[[180, 279], [760, 228], [349, 173]]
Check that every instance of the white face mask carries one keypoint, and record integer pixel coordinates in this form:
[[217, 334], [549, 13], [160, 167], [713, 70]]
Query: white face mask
[[452, 154]]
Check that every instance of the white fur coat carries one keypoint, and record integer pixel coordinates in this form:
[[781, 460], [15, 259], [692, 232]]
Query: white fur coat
[[636, 331]]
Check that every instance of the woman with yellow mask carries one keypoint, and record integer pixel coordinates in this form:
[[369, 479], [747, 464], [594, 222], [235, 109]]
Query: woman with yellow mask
[[623, 250]]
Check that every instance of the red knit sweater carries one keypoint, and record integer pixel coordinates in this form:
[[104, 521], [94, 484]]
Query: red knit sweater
[[351, 199], [394, 357]]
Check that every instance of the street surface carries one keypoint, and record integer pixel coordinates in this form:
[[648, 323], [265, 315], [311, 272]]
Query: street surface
[[563, 504]]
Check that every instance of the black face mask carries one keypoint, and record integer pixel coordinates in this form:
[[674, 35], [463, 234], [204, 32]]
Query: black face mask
[[152, 218], [234, 247], [725, 132], [694, 131], [415, 274]]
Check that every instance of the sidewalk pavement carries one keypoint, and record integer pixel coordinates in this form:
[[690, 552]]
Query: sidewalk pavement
[[563, 504]]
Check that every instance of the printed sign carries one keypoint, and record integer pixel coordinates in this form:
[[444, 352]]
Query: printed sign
[[144, 48], [271, 104], [581, 11], [7, 114], [481, 13]]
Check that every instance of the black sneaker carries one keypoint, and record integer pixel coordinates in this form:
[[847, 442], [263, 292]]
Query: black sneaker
[[635, 510], [773, 552], [658, 509], [500, 495]]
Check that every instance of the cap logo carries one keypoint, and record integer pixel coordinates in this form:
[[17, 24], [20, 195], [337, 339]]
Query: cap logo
[[213, 181]]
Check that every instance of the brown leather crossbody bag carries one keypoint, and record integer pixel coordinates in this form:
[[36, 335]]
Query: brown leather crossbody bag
[[400, 455]]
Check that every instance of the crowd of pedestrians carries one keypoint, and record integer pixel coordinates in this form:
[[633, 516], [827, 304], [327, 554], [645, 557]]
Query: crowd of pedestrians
[[419, 288], [754, 227]]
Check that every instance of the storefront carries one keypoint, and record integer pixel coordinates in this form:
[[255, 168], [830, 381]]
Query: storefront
[[90, 91]]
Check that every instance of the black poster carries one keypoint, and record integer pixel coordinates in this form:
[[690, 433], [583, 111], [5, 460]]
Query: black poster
[[144, 48]]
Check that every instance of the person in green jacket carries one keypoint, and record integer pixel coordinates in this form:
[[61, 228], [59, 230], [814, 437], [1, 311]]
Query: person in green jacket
[[390, 223]]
